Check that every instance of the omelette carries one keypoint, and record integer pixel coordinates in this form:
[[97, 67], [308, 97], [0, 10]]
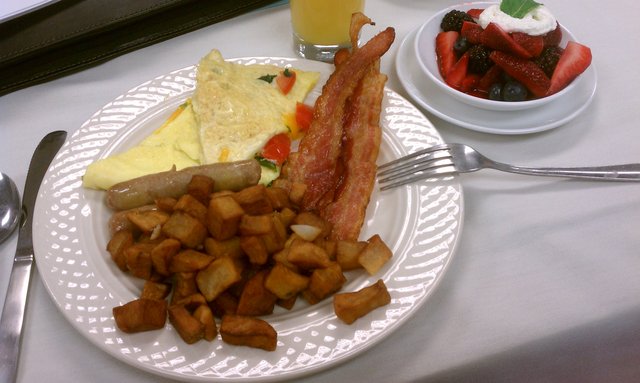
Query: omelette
[[232, 114]]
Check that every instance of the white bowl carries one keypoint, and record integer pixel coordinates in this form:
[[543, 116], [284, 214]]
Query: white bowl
[[425, 50]]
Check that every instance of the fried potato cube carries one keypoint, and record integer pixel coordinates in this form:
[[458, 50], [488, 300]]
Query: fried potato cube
[[281, 257], [223, 217], [296, 192], [255, 249], [375, 254], [192, 206], [225, 303], [205, 316], [255, 299], [287, 304], [184, 285], [201, 187], [347, 253], [248, 331], [324, 282], [217, 277], [255, 224], [282, 183], [312, 219], [186, 229], [284, 282], [147, 220], [191, 302], [275, 239], [155, 290], [330, 246], [351, 306], [221, 193], [138, 257], [307, 255], [166, 204], [225, 248], [162, 254], [189, 260], [141, 315], [286, 216], [254, 200], [278, 197], [188, 327], [117, 245]]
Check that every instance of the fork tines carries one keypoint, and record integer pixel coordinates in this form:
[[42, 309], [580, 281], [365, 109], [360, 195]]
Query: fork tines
[[416, 166]]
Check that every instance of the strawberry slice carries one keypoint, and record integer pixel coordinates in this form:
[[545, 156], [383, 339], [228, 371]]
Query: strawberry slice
[[458, 73], [471, 31], [575, 59], [496, 38], [524, 71], [553, 38], [491, 77], [444, 51], [475, 12], [469, 82], [533, 44]]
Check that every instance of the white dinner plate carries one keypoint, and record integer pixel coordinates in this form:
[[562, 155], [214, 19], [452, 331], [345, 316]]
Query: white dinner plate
[[426, 94], [421, 223]]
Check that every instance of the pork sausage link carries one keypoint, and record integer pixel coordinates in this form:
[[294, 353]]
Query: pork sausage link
[[173, 183]]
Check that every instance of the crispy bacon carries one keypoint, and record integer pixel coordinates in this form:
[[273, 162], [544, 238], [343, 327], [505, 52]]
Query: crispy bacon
[[362, 135], [316, 162]]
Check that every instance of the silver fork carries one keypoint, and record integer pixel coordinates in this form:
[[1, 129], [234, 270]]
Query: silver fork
[[459, 158]]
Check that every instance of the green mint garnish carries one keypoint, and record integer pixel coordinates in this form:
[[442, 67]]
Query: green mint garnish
[[287, 73], [267, 77], [518, 8]]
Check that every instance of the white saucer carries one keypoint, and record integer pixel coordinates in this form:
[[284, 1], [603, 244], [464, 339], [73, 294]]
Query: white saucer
[[426, 94]]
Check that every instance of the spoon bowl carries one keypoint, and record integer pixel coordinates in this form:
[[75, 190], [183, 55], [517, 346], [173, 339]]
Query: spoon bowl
[[9, 206]]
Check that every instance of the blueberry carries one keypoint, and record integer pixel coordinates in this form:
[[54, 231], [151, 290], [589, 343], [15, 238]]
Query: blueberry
[[514, 91], [461, 45], [495, 92]]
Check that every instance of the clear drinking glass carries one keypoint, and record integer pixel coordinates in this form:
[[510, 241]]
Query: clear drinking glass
[[321, 27]]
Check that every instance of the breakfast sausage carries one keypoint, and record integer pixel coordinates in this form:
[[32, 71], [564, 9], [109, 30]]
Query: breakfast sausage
[[173, 183]]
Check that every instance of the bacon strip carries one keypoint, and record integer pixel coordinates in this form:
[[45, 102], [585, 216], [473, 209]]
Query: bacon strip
[[362, 136], [316, 161]]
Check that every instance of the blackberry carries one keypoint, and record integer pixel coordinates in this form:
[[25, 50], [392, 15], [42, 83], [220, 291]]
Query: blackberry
[[479, 61], [453, 20], [548, 59]]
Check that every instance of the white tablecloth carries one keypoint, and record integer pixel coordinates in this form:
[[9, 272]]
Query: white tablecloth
[[544, 285]]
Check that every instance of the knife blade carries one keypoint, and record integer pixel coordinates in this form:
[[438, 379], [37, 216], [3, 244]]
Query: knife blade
[[16, 300]]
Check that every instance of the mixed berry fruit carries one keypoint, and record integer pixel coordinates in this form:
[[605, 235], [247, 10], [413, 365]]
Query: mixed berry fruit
[[493, 64]]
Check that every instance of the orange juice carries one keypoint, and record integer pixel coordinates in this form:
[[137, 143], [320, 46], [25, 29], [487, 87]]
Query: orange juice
[[322, 23]]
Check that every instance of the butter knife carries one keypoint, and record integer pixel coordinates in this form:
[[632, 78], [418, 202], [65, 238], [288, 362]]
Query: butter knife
[[16, 300]]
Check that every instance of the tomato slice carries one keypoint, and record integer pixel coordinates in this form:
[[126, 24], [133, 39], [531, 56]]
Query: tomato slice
[[304, 115], [285, 80], [277, 148]]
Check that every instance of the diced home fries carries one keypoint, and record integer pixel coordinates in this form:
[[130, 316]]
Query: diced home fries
[[236, 256]]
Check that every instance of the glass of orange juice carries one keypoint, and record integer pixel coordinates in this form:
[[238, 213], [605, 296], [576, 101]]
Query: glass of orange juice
[[321, 27]]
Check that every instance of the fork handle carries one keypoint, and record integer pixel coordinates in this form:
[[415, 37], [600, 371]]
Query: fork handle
[[625, 172]]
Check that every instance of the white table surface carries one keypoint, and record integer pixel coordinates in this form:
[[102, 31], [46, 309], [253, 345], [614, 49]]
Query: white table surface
[[545, 282]]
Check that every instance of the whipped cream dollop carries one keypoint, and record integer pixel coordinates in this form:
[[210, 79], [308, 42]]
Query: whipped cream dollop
[[535, 23]]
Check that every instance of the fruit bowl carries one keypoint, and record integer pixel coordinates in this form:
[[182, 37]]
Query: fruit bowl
[[425, 51]]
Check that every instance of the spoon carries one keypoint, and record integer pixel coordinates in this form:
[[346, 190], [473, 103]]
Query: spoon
[[9, 206]]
